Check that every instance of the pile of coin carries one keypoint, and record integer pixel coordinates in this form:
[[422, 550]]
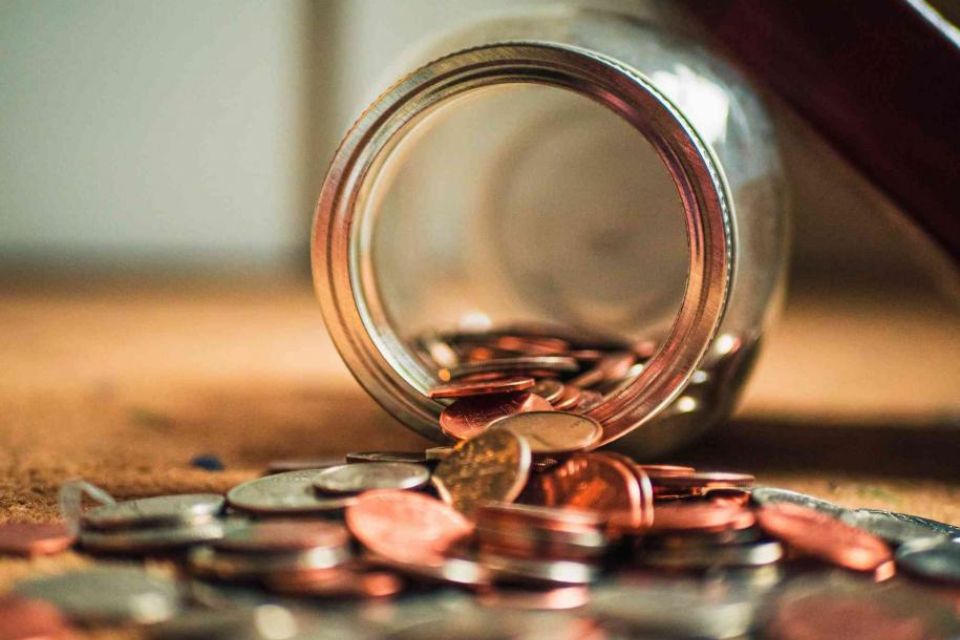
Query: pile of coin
[[504, 372]]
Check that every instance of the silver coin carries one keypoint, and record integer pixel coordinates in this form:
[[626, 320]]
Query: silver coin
[[742, 555], [411, 457], [935, 559], [890, 526], [228, 565], [156, 511], [934, 527], [284, 493], [354, 478], [676, 609], [302, 464], [459, 571], [559, 364], [137, 541], [552, 432], [107, 595], [538, 571], [264, 622], [767, 496]]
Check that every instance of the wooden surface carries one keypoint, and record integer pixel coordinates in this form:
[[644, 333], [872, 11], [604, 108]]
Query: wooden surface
[[124, 382]]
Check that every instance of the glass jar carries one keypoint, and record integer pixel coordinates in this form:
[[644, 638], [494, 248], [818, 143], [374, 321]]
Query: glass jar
[[563, 167]]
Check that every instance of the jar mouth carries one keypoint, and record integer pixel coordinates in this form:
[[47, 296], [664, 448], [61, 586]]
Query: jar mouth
[[355, 316]]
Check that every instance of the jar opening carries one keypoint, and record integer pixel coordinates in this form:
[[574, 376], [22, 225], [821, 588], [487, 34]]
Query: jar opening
[[463, 200]]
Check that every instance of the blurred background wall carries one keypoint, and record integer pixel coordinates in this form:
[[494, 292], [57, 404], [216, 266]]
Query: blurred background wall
[[193, 135]]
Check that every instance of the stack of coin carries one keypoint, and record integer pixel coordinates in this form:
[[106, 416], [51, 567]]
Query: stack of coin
[[152, 525]]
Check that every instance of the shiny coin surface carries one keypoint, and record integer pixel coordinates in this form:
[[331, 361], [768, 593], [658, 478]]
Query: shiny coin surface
[[770, 496], [591, 482], [469, 417], [552, 432], [106, 594], [935, 527], [548, 389], [156, 539], [406, 527], [493, 467], [465, 388], [336, 583], [23, 619], [822, 536], [284, 493], [411, 457], [275, 535], [354, 478], [705, 516], [449, 570], [890, 526], [934, 559], [229, 565], [538, 571], [661, 470], [32, 539], [554, 599], [155, 511], [701, 480]]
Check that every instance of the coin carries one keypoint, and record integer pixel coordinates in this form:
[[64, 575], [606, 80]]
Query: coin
[[436, 454], [230, 565], [588, 400], [106, 595], [517, 365], [935, 527], [591, 482], [699, 481], [822, 536], [752, 554], [768, 496], [531, 345], [552, 432], [302, 464], [538, 571], [354, 478], [336, 583], [262, 622], [413, 457], [553, 599], [569, 398], [934, 559], [704, 516], [283, 535], [32, 539], [661, 470], [492, 467], [613, 366], [548, 389], [405, 526], [889, 526], [284, 493], [541, 532], [462, 572], [463, 389], [149, 540], [23, 619], [469, 417], [632, 519], [155, 511]]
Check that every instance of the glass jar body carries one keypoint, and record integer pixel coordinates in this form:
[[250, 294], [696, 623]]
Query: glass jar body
[[562, 167]]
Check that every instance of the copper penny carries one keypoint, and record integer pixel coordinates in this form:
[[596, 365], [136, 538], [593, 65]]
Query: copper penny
[[532, 345], [646, 515], [469, 417], [568, 399], [516, 365], [463, 389], [406, 527], [552, 432], [25, 619], [822, 536], [32, 539], [548, 389], [283, 535], [593, 482], [703, 516], [662, 470], [493, 467], [613, 366], [336, 583], [700, 481], [588, 400]]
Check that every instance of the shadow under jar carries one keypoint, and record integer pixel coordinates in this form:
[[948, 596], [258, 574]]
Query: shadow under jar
[[565, 173]]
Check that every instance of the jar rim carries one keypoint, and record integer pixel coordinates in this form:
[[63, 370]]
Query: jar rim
[[384, 367]]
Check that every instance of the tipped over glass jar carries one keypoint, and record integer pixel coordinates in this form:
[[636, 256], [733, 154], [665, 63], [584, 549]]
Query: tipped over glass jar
[[568, 175]]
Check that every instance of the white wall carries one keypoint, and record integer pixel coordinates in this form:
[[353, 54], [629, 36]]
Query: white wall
[[142, 129]]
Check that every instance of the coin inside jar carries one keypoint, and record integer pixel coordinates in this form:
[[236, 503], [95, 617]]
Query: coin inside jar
[[465, 388], [468, 417], [354, 478], [552, 432]]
